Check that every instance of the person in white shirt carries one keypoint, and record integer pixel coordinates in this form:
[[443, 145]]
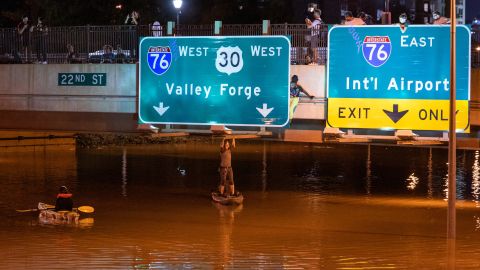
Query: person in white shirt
[[314, 26]]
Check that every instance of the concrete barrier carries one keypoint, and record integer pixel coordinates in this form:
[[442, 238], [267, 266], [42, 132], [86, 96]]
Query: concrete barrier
[[36, 88], [31, 97]]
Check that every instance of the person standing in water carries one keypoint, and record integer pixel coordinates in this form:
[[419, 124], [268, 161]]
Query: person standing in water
[[226, 167]]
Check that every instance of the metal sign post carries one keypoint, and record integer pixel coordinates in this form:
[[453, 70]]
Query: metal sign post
[[452, 136]]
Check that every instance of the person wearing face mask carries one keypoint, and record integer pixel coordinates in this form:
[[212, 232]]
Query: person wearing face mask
[[314, 26], [438, 19], [309, 16], [309, 19], [403, 21]]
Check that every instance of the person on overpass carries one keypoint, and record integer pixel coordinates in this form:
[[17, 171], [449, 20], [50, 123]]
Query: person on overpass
[[438, 19], [350, 20], [295, 89], [403, 21], [314, 27], [366, 18]]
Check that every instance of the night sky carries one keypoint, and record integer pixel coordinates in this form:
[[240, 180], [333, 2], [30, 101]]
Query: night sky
[[95, 12]]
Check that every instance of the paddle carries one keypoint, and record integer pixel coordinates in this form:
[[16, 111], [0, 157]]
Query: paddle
[[84, 209]]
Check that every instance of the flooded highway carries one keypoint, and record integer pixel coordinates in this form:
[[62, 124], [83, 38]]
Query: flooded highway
[[306, 207]]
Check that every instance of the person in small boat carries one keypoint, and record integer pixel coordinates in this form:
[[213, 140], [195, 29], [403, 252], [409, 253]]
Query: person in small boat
[[64, 200], [226, 167]]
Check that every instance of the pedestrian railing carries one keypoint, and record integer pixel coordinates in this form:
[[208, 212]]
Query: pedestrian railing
[[242, 30], [475, 57], [195, 30], [309, 45]]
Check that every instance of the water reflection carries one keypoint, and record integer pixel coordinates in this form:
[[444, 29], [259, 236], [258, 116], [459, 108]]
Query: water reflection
[[412, 181], [445, 184], [82, 223], [335, 207], [226, 225], [476, 179], [124, 172], [368, 177], [430, 174], [264, 167], [461, 183]]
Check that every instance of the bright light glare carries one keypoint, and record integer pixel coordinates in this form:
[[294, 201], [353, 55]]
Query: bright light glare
[[478, 49], [386, 128], [412, 181], [119, 6], [177, 4]]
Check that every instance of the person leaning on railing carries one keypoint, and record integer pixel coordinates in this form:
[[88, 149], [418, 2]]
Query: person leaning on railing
[[350, 20], [107, 56], [120, 58], [438, 19], [72, 56], [295, 90], [366, 18]]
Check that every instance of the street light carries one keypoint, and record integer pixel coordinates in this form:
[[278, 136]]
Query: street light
[[178, 5]]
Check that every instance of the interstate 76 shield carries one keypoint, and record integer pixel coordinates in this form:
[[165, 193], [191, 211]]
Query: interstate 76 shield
[[376, 49], [159, 59]]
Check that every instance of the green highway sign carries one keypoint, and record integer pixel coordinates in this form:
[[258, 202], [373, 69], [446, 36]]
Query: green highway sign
[[241, 81], [82, 79]]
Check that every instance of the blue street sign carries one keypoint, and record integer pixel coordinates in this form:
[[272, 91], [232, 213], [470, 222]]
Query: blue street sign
[[386, 77], [240, 81]]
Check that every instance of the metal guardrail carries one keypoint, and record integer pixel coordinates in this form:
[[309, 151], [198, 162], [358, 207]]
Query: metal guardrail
[[309, 45]]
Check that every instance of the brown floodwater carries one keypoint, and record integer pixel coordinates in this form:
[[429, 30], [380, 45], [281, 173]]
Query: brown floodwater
[[306, 207]]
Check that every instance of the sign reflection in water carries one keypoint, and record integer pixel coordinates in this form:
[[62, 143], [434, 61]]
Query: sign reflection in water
[[476, 187], [316, 211], [412, 181]]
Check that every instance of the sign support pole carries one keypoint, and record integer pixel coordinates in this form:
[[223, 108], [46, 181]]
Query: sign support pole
[[452, 136]]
